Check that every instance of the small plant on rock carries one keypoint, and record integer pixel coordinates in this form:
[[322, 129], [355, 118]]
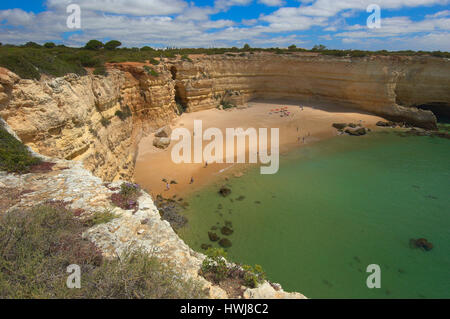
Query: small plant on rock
[[253, 276], [215, 264], [127, 197]]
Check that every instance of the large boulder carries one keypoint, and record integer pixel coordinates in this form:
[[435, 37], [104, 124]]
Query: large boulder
[[358, 131], [339, 126], [161, 142], [164, 131]]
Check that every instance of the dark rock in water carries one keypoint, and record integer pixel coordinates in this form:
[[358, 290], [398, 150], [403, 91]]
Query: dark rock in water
[[257, 202], [226, 231], [205, 246], [224, 191], [228, 224], [169, 210], [356, 131], [421, 243], [213, 236], [214, 228], [240, 198], [339, 126], [225, 243]]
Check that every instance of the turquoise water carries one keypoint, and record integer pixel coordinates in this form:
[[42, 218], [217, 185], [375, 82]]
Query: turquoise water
[[334, 208]]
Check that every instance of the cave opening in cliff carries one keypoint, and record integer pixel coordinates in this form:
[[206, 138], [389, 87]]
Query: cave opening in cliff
[[439, 109], [173, 70]]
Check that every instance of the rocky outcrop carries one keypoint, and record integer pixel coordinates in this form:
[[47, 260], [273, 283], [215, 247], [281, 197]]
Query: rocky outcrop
[[387, 86]]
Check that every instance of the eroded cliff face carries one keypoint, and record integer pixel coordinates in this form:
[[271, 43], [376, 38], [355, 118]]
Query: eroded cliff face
[[386, 86], [75, 117]]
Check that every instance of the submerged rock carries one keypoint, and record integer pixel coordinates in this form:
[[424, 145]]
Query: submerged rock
[[225, 243], [421, 243], [226, 231], [224, 191], [213, 236]]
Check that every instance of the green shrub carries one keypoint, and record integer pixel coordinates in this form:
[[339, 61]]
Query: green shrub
[[112, 45], [37, 245], [227, 105], [101, 70], [14, 156], [123, 115], [215, 264], [150, 71], [102, 217], [93, 45], [253, 276], [154, 61], [49, 45], [105, 122]]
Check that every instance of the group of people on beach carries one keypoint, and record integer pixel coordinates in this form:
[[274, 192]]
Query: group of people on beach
[[283, 112]]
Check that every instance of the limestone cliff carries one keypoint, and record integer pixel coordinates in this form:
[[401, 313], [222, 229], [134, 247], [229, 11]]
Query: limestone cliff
[[386, 86], [75, 117]]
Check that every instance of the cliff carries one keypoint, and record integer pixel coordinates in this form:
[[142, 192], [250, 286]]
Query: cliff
[[391, 87], [75, 117]]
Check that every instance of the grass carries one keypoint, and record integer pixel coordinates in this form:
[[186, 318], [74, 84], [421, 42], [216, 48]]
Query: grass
[[150, 71], [14, 155], [37, 245], [31, 61]]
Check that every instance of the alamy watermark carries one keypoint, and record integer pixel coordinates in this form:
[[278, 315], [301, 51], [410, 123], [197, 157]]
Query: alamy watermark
[[374, 20], [213, 152], [74, 279], [74, 19], [374, 279]]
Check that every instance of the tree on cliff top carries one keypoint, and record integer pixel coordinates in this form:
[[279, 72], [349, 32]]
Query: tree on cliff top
[[94, 45], [246, 46], [319, 47], [112, 45]]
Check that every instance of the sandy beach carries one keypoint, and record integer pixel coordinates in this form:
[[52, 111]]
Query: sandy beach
[[299, 125]]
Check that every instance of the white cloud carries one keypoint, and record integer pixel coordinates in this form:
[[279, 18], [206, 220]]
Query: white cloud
[[272, 3], [181, 23], [131, 7]]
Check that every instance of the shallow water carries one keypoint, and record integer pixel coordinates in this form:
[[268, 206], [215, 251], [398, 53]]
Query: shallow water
[[334, 208]]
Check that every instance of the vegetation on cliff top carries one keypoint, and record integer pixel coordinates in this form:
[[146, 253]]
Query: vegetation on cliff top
[[14, 156], [38, 245], [31, 60]]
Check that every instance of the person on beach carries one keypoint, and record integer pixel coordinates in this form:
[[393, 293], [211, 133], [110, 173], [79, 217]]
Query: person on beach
[[303, 140], [192, 180], [206, 164], [167, 186]]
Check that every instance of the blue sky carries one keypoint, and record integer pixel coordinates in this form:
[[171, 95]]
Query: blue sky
[[340, 24]]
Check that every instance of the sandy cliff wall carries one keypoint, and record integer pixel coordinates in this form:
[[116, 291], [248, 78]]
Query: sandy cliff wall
[[387, 86], [74, 117]]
